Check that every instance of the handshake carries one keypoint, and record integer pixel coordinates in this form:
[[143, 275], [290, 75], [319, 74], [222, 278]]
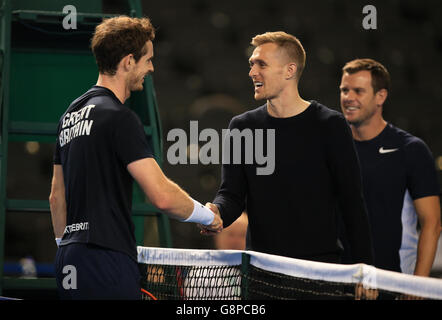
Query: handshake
[[217, 224]]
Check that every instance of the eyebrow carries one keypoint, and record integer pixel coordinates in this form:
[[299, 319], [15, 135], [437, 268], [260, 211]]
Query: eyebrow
[[351, 88], [256, 61]]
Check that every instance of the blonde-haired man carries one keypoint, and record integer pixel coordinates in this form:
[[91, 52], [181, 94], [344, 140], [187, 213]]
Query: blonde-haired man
[[292, 211]]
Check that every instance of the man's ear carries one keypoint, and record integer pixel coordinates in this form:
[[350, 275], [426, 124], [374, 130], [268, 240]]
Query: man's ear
[[126, 62], [291, 70], [381, 96]]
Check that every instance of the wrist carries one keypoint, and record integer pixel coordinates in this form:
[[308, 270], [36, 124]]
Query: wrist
[[200, 214]]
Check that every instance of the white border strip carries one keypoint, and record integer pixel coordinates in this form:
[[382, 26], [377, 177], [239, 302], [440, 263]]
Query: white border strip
[[405, 283], [306, 269], [189, 257]]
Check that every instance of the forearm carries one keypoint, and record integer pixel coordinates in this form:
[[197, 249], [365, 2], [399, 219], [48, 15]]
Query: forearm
[[174, 201], [177, 204], [57, 202], [229, 207], [428, 210], [58, 214], [426, 250], [165, 194], [231, 195]]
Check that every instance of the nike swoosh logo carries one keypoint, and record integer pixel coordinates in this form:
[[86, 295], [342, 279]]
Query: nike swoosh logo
[[382, 150]]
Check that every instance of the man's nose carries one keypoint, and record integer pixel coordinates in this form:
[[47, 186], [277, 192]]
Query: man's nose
[[252, 72]]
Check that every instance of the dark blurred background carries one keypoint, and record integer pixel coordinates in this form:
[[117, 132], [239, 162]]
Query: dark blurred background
[[201, 60], [201, 73]]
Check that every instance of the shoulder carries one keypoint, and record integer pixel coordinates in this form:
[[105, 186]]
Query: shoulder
[[329, 120], [408, 141], [107, 102], [415, 151], [415, 148], [126, 120], [325, 114], [114, 114], [107, 107], [248, 118], [100, 98]]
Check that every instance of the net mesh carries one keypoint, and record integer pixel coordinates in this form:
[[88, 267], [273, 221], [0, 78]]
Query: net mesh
[[271, 285], [167, 282], [183, 274]]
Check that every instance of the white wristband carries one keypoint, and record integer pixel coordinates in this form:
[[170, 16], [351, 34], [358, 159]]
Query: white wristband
[[200, 214], [57, 241]]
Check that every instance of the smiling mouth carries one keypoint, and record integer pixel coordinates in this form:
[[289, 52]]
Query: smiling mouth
[[258, 85], [351, 108]]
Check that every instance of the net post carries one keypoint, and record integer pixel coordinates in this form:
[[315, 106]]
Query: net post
[[245, 262]]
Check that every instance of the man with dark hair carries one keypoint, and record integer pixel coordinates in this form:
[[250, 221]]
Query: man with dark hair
[[101, 148], [398, 173], [292, 211]]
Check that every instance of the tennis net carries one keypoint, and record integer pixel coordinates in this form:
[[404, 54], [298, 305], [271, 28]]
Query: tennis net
[[191, 274]]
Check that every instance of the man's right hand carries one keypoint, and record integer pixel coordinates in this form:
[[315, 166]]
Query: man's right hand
[[217, 224]]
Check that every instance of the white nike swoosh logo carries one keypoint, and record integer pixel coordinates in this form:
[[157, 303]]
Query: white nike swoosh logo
[[382, 150]]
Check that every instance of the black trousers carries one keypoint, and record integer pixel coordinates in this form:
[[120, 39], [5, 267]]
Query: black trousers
[[85, 272]]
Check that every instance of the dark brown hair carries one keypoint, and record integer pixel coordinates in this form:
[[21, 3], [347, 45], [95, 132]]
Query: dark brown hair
[[380, 78], [117, 37]]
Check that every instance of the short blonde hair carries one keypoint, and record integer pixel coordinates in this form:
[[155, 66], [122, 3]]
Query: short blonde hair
[[289, 43]]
